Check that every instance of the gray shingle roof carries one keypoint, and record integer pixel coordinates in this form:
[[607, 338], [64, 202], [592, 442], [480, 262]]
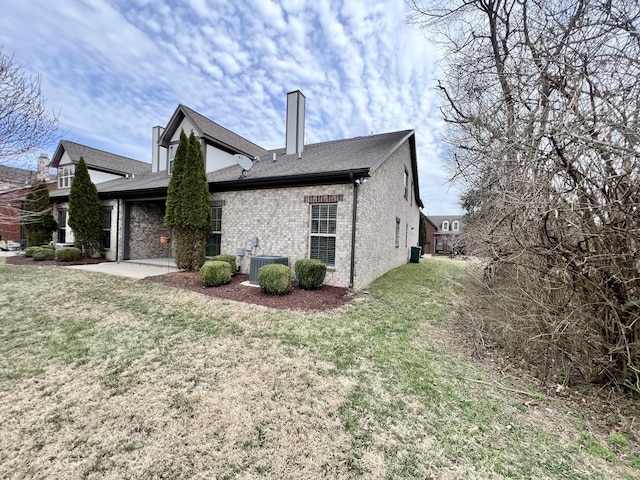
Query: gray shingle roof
[[14, 175], [340, 156], [360, 153], [212, 131], [99, 159]]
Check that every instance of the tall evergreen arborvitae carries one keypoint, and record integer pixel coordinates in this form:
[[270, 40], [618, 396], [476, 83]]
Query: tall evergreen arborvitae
[[85, 212], [37, 219], [188, 213]]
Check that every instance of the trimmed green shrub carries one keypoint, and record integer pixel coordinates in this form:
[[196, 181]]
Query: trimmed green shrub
[[275, 279], [29, 251], [85, 212], [68, 254], [43, 254], [215, 273], [48, 245], [230, 259], [187, 210], [310, 273]]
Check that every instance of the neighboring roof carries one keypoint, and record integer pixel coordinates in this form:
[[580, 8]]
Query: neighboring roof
[[99, 159], [438, 219], [339, 161], [16, 176], [212, 132]]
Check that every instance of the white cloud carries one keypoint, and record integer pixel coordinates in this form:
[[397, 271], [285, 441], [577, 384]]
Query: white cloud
[[116, 69]]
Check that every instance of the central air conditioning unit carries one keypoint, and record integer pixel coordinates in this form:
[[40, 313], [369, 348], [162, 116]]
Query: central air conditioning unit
[[260, 261]]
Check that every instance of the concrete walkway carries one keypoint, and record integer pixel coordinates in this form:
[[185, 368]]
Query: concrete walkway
[[147, 267], [144, 267]]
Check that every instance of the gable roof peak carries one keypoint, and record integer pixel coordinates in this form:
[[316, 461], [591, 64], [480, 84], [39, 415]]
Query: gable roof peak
[[211, 131]]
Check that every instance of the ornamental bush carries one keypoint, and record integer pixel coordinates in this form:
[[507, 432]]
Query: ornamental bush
[[68, 254], [310, 273], [29, 251], [85, 211], [230, 259], [43, 254], [215, 273], [275, 279]]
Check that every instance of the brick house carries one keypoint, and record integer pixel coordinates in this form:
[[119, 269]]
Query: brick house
[[353, 204], [15, 184], [445, 237]]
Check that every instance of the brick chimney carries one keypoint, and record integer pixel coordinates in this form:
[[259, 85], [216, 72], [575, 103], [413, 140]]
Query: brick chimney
[[296, 102]]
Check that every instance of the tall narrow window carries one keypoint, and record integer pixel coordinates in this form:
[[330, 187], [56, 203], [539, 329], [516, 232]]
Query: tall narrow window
[[62, 226], [455, 225], [215, 240], [106, 227], [397, 232], [445, 226], [172, 153], [406, 235], [405, 182], [322, 241], [65, 175]]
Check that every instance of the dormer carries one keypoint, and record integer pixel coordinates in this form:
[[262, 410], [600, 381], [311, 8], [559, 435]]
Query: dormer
[[219, 145], [103, 166]]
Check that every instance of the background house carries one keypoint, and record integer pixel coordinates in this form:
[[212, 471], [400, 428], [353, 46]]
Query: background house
[[353, 204], [15, 184], [103, 167], [445, 238]]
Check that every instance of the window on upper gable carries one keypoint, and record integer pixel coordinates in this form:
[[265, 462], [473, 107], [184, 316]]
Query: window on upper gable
[[171, 155], [405, 182], [65, 176], [445, 226], [455, 225]]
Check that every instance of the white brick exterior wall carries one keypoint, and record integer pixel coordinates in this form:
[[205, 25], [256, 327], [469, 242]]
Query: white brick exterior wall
[[280, 219], [380, 201]]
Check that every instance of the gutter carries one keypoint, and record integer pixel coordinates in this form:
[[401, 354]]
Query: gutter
[[354, 211]]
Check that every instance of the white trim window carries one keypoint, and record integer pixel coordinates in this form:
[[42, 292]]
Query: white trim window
[[170, 156], [455, 225], [322, 238], [397, 232], [214, 242], [405, 182], [445, 226], [65, 176]]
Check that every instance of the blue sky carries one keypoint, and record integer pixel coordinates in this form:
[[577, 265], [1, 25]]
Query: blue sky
[[115, 69]]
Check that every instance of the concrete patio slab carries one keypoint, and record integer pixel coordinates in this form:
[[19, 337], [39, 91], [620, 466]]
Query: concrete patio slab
[[132, 268]]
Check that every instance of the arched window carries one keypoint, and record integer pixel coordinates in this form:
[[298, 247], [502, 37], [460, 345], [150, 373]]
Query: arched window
[[445, 226], [455, 225]]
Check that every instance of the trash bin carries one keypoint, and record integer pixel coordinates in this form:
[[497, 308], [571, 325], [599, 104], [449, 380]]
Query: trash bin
[[415, 254]]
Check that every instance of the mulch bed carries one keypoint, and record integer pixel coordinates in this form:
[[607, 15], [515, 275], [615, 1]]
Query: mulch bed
[[322, 299]]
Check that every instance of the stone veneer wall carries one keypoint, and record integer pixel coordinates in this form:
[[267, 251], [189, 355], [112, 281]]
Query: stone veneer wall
[[280, 219], [380, 201], [146, 226]]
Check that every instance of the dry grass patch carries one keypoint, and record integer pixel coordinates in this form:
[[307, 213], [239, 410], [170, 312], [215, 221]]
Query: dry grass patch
[[127, 379]]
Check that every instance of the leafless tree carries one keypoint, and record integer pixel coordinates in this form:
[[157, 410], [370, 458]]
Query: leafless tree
[[25, 122], [542, 101]]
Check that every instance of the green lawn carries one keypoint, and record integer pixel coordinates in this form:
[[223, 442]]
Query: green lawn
[[104, 377]]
